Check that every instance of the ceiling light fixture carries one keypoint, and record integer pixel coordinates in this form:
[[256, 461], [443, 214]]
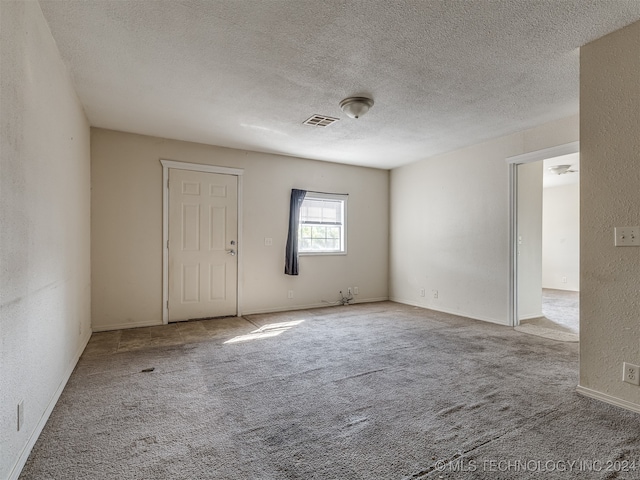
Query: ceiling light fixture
[[355, 107], [560, 169]]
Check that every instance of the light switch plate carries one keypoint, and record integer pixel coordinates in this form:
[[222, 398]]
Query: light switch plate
[[627, 236]]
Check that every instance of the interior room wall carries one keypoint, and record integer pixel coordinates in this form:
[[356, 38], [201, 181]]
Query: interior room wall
[[609, 176], [561, 237], [529, 240], [126, 227], [44, 238], [450, 224]]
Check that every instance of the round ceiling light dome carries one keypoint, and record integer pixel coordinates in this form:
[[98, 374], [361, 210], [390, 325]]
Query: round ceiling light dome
[[355, 107]]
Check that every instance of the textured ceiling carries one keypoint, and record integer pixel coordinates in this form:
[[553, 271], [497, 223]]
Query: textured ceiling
[[247, 73]]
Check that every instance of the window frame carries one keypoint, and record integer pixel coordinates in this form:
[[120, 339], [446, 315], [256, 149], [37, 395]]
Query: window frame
[[325, 196]]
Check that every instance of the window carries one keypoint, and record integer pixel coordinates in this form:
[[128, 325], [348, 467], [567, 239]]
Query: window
[[323, 224]]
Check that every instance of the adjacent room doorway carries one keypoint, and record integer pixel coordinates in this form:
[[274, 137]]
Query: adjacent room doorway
[[538, 259]]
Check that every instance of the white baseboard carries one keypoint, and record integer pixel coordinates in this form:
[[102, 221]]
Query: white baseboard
[[24, 455], [283, 308], [531, 316], [603, 397], [123, 326], [290, 308], [451, 312]]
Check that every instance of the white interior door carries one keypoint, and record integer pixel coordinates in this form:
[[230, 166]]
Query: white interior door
[[203, 233]]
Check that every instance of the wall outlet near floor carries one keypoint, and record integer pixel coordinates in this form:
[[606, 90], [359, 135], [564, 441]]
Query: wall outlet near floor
[[20, 417], [435, 293], [349, 291], [290, 294], [356, 291], [422, 292], [564, 279], [268, 242], [631, 373]]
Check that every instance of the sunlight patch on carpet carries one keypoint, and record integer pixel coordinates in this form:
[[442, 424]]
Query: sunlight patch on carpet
[[266, 331]]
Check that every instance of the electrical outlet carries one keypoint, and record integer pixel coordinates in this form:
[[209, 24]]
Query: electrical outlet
[[627, 236], [564, 279], [356, 291], [631, 373], [435, 293], [20, 418], [268, 241], [290, 294], [422, 292], [349, 291]]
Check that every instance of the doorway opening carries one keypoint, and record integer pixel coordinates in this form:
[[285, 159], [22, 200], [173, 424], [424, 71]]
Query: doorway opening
[[545, 242]]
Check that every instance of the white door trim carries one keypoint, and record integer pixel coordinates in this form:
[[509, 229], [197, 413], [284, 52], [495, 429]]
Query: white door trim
[[197, 167], [535, 156]]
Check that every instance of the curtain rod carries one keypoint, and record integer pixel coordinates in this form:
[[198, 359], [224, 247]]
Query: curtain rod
[[327, 193]]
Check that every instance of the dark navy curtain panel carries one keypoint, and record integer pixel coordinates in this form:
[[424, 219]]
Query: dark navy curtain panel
[[291, 253]]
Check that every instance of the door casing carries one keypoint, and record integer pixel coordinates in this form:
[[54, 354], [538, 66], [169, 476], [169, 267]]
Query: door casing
[[535, 156], [166, 165]]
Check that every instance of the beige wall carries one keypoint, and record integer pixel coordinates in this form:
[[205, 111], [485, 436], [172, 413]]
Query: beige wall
[[126, 226], [44, 233], [561, 237], [450, 224], [610, 186]]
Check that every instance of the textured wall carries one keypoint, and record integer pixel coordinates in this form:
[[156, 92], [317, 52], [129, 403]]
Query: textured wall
[[127, 227], [561, 237], [44, 234], [450, 224], [610, 197]]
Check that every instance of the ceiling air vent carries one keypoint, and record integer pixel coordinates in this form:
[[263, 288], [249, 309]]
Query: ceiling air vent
[[320, 121]]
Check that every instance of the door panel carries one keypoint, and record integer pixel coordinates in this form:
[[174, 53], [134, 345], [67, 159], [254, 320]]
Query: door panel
[[203, 226]]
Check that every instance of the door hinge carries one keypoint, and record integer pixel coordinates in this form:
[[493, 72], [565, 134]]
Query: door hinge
[[167, 304], [167, 183], [167, 244]]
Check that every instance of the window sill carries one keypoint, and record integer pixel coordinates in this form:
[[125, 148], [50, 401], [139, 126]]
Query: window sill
[[320, 254]]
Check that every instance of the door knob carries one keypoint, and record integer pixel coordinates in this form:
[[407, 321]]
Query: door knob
[[231, 252]]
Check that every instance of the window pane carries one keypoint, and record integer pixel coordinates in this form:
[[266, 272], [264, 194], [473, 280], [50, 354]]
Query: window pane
[[314, 214], [305, 231], [304, 244], [321, 228]]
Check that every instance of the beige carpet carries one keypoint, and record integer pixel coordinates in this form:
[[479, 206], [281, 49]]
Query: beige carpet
[[550, 333], [562, 307], [375, 391]]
